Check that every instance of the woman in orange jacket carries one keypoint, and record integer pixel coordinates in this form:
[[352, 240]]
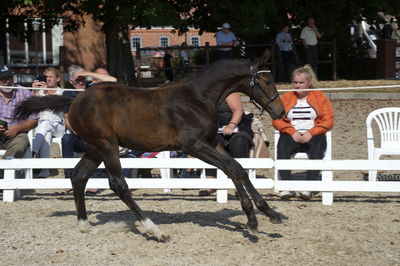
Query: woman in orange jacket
[[309, 115]]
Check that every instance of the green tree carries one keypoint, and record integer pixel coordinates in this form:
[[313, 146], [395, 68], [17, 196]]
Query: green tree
[[252, 20]]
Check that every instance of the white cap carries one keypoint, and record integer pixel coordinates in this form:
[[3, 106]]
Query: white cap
[[226, 25]]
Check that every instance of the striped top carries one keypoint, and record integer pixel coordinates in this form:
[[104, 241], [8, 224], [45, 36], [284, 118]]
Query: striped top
[[302, 116], [7, 107]]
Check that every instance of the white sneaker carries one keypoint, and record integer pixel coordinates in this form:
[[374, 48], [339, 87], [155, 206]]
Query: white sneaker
[[305, 195], [43, 173], [286, 194]]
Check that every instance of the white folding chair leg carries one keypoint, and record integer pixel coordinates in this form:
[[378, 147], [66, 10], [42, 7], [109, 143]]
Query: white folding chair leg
[[203, 173]]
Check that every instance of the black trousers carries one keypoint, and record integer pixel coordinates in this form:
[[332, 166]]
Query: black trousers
[[237, 145], [312, 57], [315, 149]]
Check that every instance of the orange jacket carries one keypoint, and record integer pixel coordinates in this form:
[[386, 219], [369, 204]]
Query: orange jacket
[[322, 106]]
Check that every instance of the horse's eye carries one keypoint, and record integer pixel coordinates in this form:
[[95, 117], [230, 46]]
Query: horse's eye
[[267, 82]]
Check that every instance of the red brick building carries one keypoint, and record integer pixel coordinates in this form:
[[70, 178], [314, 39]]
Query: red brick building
[[167, 36]]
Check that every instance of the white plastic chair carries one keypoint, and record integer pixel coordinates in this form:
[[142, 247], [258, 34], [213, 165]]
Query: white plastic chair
[[388, 122], [327, 197]]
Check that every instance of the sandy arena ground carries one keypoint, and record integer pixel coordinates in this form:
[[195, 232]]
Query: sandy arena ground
[[358, 229]]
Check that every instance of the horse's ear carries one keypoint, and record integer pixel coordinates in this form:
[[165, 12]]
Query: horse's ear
[[262, 61]]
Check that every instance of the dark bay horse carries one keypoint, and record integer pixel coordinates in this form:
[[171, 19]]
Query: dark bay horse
[[180, 116]]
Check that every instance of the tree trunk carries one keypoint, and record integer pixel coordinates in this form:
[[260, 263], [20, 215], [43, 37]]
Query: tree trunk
[[119, 57]]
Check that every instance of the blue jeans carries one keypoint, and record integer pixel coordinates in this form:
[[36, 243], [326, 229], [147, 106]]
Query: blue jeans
[[73, 143]]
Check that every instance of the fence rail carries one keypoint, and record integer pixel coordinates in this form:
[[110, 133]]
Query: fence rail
[[10, 185]]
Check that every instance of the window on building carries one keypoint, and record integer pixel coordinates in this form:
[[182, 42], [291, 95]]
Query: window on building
[[41, 49], [195, 41], [164, 41], [136, 41]]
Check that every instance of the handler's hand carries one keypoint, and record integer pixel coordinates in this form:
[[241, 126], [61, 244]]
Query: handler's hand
[[228, 130]]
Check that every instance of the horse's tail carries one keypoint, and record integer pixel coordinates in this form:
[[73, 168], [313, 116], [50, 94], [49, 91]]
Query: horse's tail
[[36, 104]]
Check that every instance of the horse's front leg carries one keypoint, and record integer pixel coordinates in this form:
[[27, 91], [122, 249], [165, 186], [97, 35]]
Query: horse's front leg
[[261, 204], [221, 159]]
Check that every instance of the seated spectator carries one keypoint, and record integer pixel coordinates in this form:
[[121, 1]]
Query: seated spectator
[[50, 124], [234, 132], [72, 143], [13, 133], [309, 115]]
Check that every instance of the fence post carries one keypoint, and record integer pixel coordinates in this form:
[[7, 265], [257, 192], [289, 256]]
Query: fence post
[[207, 53], [10, 195], [334, 66], [138, 64], [222, 194]]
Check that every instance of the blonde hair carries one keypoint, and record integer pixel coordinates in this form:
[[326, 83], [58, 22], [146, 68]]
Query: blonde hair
[[309, 74], [52, 69]]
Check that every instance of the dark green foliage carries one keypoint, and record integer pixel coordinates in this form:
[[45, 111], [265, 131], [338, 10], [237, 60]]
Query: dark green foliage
[[255, 21]]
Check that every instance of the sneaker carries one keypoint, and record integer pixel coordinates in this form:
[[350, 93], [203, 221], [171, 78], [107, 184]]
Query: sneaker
[[286, 194], [305, 195]]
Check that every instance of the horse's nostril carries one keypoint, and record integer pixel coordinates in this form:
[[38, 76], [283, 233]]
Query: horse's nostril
[[283, 114]]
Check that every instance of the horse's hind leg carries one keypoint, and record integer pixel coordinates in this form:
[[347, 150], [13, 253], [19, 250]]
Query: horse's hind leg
[[120, 187], [221, 159], [80, 175]]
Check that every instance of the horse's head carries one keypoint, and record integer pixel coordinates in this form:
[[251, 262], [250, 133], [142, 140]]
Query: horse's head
[[261, 88]]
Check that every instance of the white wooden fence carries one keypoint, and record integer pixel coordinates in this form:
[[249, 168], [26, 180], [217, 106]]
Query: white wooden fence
[[10, 185]]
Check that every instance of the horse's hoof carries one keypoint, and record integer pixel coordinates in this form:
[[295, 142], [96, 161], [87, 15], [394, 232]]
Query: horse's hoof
[[253, 230], [277, 218], [152, 229], [163, 238], [84, 226]]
